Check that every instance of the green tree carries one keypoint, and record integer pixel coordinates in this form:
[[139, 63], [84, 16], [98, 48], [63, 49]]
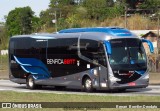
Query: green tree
[[63, 7], [110, 3], [65, 12], [19, 21], [46, 18], [150, 4], [143, 4], [101, 9], [95, 8], [82, 12], [36, 24], [3, 38], [132, 3], [54, 3]]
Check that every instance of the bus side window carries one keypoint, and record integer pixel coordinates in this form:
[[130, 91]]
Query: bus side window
[[21, 46], [12, 47], [87, 48], [71, 46], [93, 50], [62, 46]]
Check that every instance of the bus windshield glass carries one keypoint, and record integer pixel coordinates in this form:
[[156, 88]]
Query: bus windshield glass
[[127, 52]]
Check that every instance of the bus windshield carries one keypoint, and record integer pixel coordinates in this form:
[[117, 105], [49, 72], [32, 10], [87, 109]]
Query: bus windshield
[[127, 52]]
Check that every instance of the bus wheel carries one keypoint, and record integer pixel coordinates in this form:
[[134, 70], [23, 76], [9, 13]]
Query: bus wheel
[[88, 85], [30, 82]]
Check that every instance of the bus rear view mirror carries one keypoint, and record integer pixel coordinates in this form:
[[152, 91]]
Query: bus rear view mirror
[[149, 44], [108, 47]]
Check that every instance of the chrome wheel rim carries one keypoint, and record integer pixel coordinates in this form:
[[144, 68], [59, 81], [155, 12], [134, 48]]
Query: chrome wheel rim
[[88, 83], [30, 82]]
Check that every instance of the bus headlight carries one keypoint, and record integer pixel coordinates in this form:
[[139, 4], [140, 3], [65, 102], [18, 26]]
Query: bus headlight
[[146, 76], [112, 78], [95, 72]]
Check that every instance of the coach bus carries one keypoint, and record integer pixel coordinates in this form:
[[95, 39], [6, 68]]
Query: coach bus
[[104, 58]]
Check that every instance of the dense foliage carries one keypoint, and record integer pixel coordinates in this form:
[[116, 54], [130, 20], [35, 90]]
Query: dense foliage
[[19, 21], [77, 13], [3, 38]]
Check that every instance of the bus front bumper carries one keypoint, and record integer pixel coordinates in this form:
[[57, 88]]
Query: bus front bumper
[[135, 84]]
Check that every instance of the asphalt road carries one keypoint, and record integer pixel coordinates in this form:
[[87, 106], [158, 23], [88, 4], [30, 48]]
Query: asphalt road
[[152, 90]]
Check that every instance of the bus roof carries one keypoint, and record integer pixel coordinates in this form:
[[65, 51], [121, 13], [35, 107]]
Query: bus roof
[[114, 31], [83, 35], [98, 33]]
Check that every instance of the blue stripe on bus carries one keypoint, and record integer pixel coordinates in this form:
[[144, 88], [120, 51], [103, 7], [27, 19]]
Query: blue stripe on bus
[[109, 30], [33, 66], [35, 71], [140, 72], [20, 61]]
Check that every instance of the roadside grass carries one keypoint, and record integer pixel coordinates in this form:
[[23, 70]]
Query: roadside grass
[[7, 96], [3, 62]]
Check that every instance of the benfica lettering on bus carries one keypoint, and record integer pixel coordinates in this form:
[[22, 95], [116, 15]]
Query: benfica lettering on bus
[[61, 61]]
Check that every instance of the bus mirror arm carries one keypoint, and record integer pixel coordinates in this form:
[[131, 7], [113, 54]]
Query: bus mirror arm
[[149, 44]]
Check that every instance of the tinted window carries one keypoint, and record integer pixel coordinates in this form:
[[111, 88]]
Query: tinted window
[[88, 48], [62, 46], [126, 42], [93, 50], [21, 46], [22, 43], [38, 46], [12, 46]]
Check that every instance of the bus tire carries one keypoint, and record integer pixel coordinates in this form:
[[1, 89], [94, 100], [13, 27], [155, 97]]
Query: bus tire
[[30, 82], [88, 85]]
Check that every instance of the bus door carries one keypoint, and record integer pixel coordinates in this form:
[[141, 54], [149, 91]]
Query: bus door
[[93, 53], [100, 57]]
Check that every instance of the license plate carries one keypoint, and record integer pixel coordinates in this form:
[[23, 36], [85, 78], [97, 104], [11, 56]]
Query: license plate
[[132, 84]]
